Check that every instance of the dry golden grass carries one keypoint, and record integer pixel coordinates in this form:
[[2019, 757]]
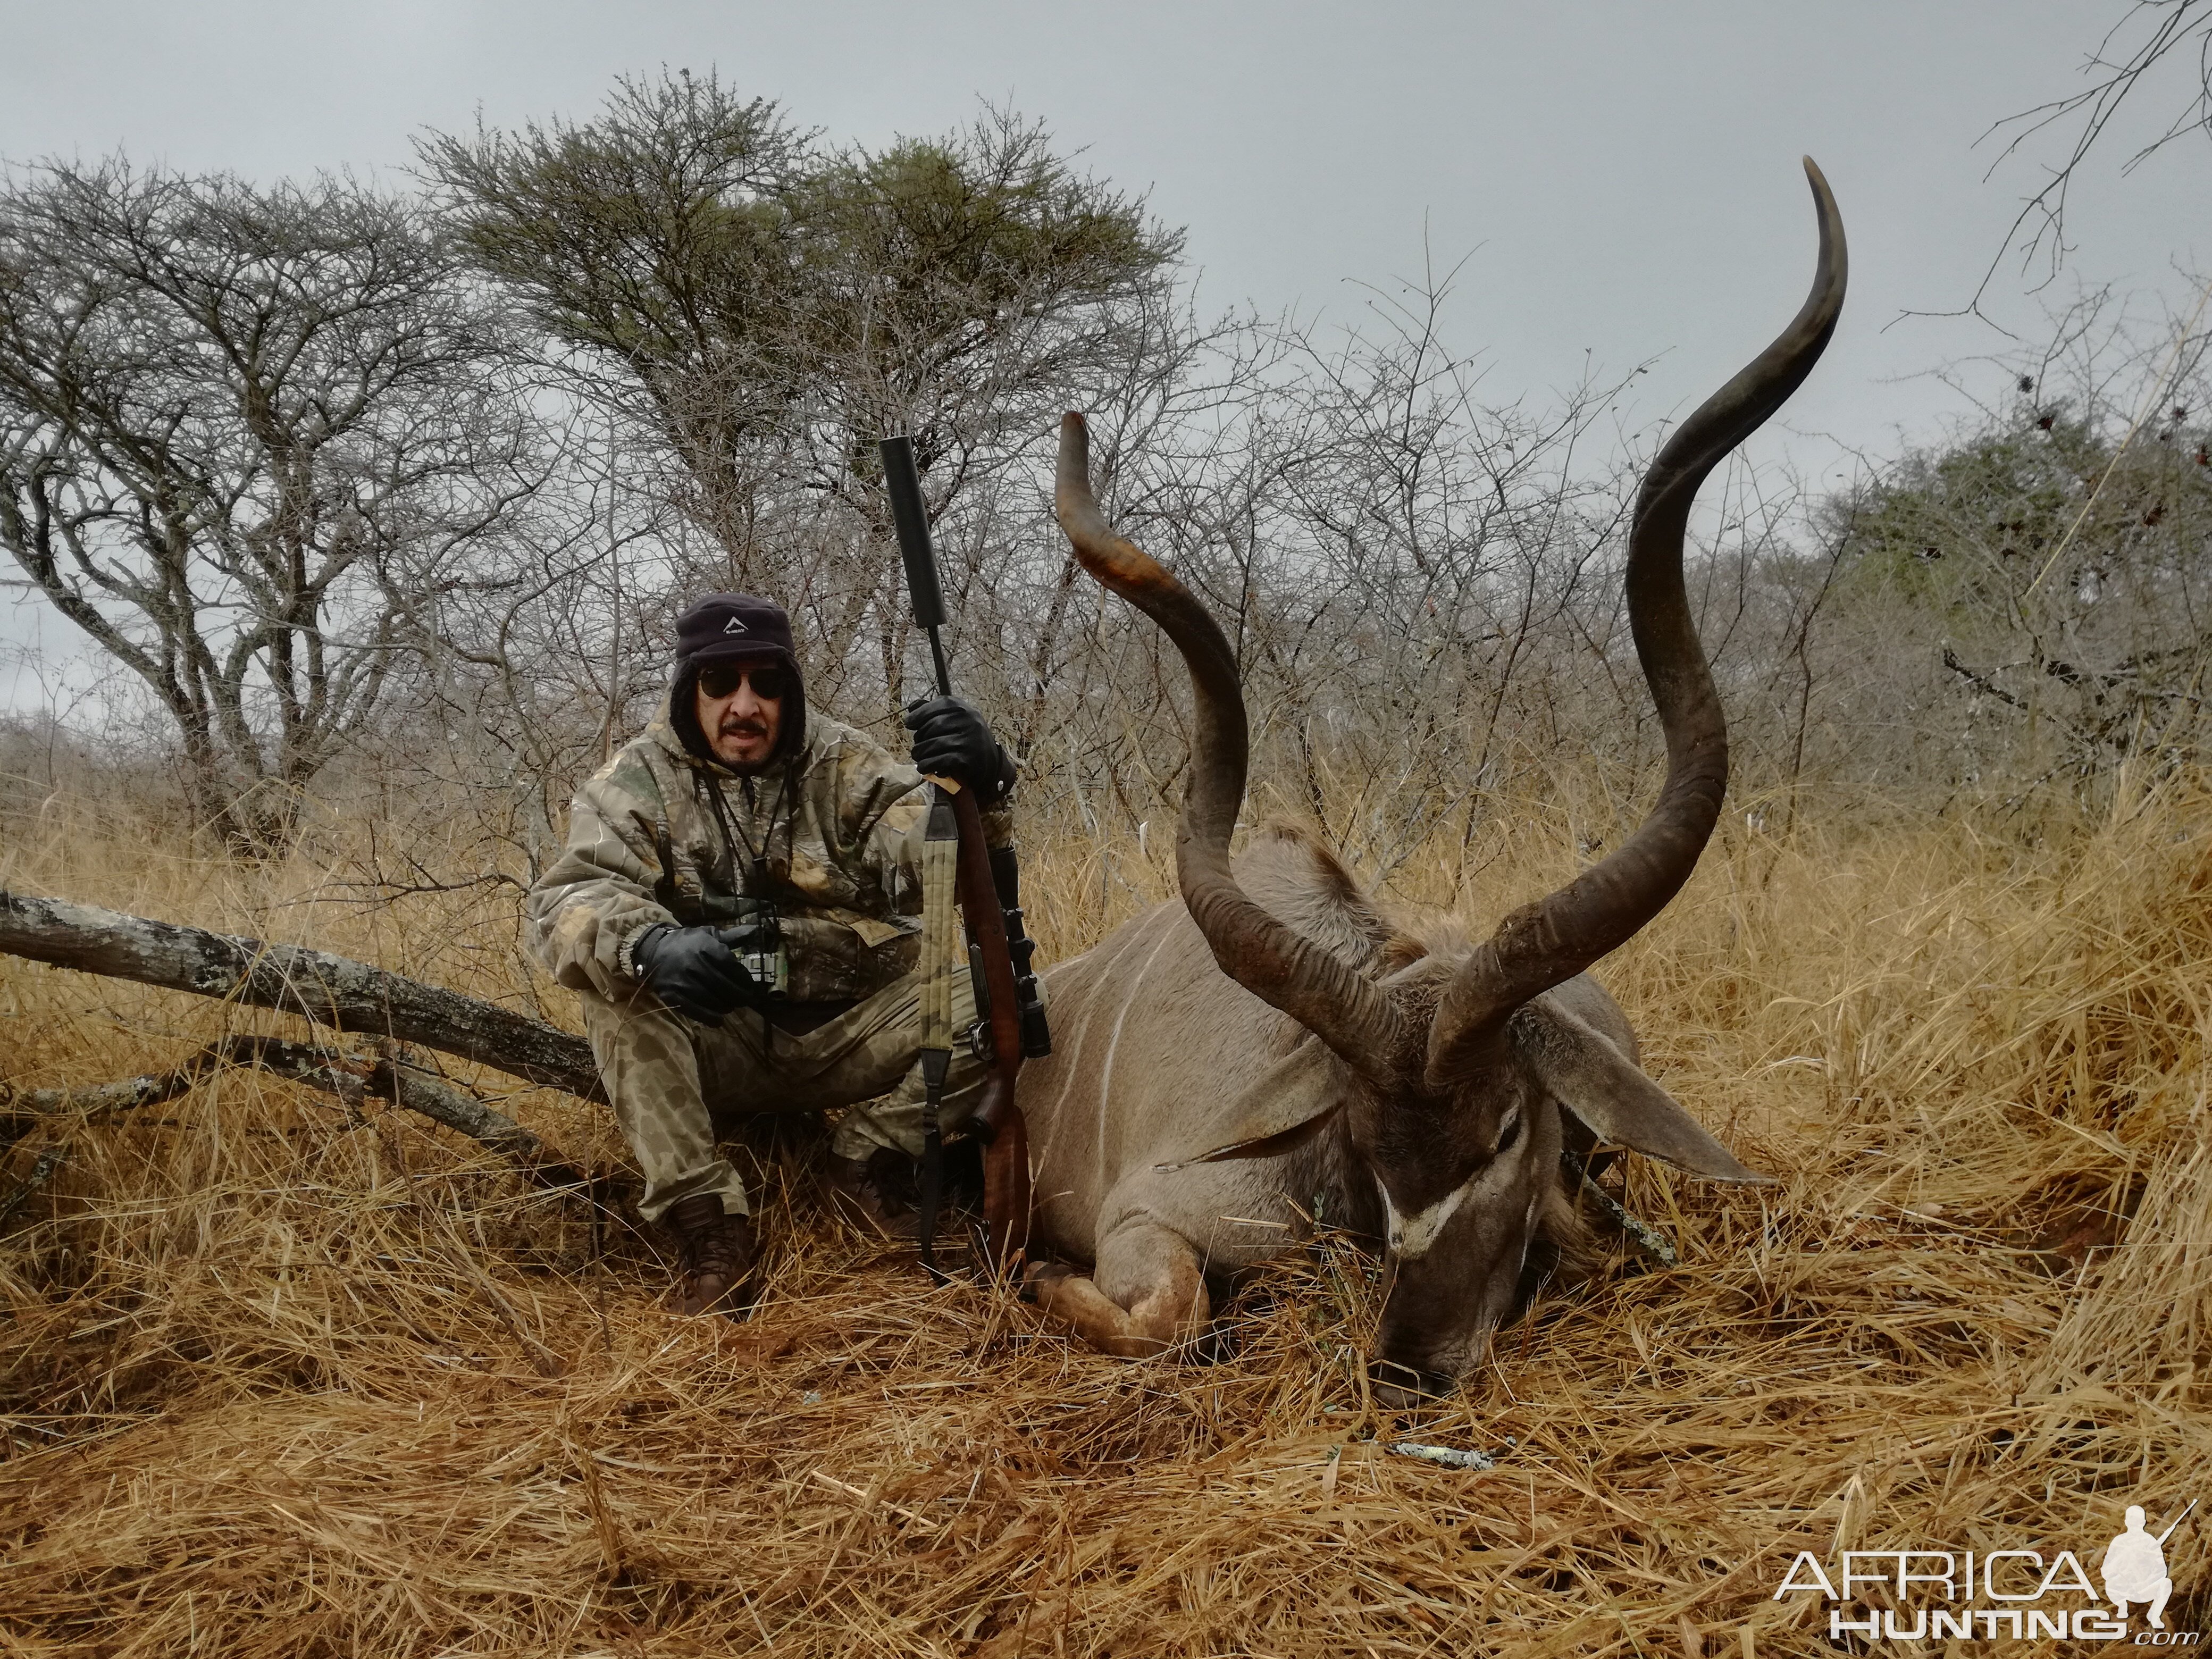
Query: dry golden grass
[[275, 1373]]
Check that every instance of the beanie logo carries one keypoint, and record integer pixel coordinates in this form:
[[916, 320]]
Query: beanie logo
[[735, 626]]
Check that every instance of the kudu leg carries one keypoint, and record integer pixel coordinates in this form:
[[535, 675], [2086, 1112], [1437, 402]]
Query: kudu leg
[[1145, 1295]]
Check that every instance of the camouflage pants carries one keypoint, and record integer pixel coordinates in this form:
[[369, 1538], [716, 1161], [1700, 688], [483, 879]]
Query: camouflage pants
[[675, 1082]]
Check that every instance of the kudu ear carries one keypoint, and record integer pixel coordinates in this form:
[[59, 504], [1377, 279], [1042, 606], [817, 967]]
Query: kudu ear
[[1608, 1091], [1291, 1103]]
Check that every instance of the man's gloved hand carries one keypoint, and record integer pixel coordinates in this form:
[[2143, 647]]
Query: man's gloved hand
[[951, 739], [747, 936], [692, 970]]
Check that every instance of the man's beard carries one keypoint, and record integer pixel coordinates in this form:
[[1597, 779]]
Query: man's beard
[[753, 729]]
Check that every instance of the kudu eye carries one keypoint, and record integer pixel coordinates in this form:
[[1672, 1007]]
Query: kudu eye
[[1508, 1135]]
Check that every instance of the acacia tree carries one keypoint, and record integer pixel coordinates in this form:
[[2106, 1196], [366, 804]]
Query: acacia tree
[[244, 434], [960, 290], [769, 307], [656, 245], [2033, 594]]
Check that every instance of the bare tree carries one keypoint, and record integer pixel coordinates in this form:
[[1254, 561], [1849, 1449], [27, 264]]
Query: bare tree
[[245, 436]]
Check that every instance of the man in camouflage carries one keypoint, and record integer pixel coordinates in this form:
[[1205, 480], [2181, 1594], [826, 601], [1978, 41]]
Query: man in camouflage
[[701, 1008]]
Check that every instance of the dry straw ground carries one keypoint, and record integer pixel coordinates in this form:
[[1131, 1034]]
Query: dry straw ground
[[285, 1378]]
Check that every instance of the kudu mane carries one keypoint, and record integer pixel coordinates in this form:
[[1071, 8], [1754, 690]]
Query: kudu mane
[[1310, 891], [1293, 876]]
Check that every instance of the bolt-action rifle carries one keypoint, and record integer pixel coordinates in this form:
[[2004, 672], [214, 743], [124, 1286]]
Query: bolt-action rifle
[[1011, 1022]]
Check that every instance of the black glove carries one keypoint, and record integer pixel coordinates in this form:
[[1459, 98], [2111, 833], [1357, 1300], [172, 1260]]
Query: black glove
[[951, 739], [692, 970]]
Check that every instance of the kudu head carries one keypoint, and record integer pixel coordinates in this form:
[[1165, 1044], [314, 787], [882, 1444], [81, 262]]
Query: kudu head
[[1449, 1071]]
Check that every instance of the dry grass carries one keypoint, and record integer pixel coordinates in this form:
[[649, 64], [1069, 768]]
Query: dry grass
[[274, 1371]]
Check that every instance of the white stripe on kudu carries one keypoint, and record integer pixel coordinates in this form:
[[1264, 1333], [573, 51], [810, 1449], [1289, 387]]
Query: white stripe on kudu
[[1136, 980], [1411, 1236]]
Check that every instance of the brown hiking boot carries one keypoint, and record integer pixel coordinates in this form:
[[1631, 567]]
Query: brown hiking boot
[[868, 1192], [716, 1251]]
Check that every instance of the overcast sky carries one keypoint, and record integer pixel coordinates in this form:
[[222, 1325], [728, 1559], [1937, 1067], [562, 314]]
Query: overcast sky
[[1622, 181]]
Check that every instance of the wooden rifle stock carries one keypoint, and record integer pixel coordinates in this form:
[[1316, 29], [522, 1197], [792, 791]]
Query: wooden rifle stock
[[998, 1119]]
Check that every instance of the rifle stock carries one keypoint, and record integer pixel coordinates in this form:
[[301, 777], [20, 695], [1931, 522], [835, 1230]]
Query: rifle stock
[[998, 1119]]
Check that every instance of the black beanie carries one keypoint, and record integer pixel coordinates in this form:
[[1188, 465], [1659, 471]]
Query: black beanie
[[734, 628]]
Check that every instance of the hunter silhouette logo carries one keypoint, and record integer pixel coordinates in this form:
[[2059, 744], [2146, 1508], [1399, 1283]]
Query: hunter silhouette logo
[[1999, 1596], [735, 625], [2134, 1567]]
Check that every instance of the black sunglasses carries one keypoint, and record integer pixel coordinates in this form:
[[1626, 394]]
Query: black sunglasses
[[720, 679]]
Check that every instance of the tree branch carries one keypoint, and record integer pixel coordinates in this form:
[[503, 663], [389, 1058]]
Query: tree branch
[[349, 1076]]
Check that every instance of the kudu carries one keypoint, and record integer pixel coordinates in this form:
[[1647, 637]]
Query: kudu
[[1272, 1049]]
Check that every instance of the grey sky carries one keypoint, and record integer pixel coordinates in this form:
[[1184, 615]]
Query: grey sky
[[1624, 177]]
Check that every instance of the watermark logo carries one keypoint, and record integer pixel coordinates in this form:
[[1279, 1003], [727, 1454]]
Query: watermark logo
[[2001, 1595], [2134, 1569]]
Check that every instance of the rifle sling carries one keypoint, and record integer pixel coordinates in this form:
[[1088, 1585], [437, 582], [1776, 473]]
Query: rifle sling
[[942, 957]]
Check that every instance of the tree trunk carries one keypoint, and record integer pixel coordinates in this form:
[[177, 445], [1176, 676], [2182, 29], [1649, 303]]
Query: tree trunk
[[332, 991]]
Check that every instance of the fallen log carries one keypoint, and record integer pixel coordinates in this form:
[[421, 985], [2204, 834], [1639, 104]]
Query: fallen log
[[330, 990]]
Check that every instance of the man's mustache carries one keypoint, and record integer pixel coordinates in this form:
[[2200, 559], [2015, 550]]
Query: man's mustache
[[744, 727]]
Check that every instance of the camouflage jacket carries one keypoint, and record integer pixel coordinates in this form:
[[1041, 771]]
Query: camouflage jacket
[[836, 834]]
